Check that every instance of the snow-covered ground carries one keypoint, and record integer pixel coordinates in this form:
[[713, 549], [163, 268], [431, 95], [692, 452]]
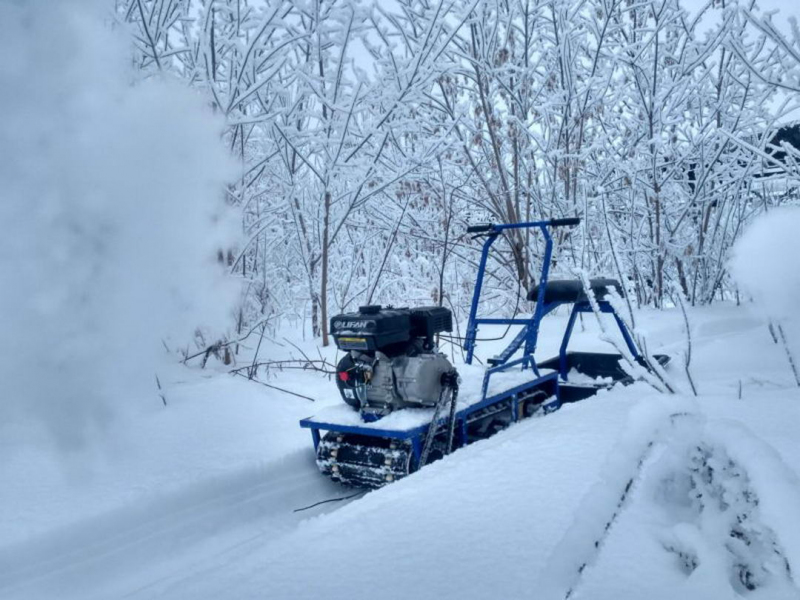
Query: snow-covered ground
[[629, 494]]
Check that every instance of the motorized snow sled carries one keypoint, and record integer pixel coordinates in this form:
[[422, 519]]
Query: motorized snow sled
[[405, 405]]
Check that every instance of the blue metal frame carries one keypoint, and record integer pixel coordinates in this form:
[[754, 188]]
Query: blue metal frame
[[585, 306], [531, 331], [547, 383], [529, 334]]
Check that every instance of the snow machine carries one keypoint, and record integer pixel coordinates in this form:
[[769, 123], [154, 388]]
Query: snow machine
[[405, 405]]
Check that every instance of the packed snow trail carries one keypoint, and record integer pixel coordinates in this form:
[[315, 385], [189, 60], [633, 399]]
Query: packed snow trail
[[254, 506]]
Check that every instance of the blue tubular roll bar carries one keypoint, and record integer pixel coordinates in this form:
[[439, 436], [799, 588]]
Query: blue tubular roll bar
[[530, 332], [585, 306]]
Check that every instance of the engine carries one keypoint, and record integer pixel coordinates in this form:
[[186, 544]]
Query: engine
[[392, 361]]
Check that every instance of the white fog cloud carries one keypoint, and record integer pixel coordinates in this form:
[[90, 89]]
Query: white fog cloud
[[111, 212]]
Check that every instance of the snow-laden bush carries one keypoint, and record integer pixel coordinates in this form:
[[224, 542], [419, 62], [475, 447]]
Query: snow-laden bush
[[765, 262], [111, 216]]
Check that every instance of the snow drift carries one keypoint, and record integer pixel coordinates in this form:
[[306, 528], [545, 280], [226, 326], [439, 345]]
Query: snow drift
[[112, 212]]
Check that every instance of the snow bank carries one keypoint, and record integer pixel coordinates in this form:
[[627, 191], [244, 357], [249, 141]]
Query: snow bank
[[648, 423], [710, 517], [112, 212]]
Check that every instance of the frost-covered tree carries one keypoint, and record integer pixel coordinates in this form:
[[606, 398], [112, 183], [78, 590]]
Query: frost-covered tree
[[367, 136]]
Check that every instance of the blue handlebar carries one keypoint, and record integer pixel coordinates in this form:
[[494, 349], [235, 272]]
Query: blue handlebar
[[494, 229]]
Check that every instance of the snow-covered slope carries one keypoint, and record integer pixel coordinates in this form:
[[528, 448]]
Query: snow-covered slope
[[629, 494]]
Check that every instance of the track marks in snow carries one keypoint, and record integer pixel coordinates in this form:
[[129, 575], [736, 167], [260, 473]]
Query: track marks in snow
[[710, 514], [722, 509], [603, 503], [775, 484]]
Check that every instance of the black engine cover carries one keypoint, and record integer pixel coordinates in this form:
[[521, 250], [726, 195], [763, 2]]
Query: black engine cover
[[376, 328], [371, 328]]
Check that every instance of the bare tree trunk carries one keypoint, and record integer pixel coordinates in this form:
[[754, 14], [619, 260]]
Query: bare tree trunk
[[323, 292]]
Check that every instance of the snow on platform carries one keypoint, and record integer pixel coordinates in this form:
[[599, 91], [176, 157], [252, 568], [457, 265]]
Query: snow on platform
[[469, 393]]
